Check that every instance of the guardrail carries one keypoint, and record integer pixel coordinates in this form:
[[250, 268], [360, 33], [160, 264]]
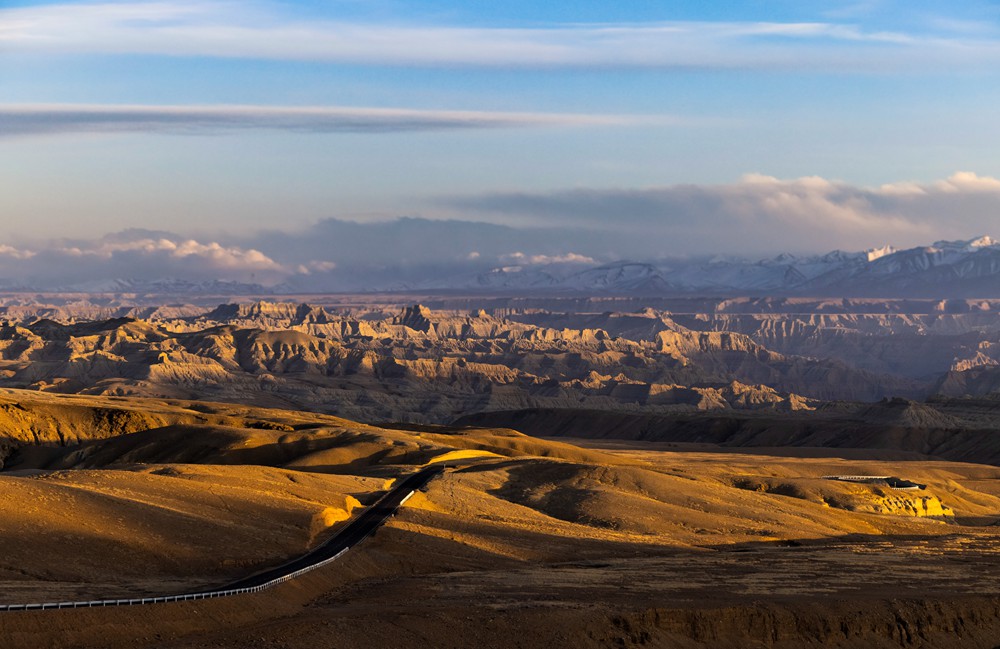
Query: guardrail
[[210, 594]]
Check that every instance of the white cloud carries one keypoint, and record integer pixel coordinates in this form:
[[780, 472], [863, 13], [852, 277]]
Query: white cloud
[[260, 30], [43, 119], [967, 181], [901, 189], [183, 250], [316, 267], [539, 260], [138, 258], [15, 253]]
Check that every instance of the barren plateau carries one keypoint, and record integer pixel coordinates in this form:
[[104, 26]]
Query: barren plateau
[[523, 542], [657, 477]]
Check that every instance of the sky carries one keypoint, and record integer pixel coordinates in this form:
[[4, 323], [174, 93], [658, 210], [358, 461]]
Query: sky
[[235, 139]]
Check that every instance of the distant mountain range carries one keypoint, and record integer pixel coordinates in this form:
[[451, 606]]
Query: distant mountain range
[[141, 287], [943, 269]]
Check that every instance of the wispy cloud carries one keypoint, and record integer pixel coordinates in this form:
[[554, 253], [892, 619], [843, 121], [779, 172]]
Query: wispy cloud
[[262, 31], [21, 120]]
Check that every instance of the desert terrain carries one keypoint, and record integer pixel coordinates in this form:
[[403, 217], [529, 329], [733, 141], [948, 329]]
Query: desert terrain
[[524, 541], [647, 477], [499, 325]]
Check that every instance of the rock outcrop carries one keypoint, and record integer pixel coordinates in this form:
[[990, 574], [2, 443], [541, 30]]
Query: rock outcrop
[[416, 365]]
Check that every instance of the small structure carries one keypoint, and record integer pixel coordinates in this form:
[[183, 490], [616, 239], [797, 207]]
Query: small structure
[[884, 480]]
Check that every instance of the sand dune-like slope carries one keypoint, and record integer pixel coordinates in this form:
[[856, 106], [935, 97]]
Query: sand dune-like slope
[[666, 550], [173, 528], [690, 500], [38, 419], [663, 498], [149, 506], [558, 539]]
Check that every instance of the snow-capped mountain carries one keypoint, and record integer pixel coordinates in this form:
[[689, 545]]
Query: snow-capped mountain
[[625, 276], [943, 269]]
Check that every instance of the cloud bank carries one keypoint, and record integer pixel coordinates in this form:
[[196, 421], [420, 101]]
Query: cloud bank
[[26, 120], [134, 255], [263, 31], [756, 217]]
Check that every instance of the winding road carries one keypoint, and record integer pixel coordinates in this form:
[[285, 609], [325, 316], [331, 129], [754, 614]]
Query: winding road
[[356, 531]]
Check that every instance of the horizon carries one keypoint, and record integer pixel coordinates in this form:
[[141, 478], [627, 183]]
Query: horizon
[[161, 261]]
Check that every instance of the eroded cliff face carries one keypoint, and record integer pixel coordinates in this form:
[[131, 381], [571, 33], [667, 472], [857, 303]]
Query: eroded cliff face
[[907, 345], [914, 341], [853, 497], [416, 364]]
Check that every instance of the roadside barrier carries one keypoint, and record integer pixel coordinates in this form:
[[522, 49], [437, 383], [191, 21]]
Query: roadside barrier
[[210, 594], [100, 603]]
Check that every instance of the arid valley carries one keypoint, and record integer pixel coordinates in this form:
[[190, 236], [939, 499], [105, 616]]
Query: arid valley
[[657, 477], [431, 324]]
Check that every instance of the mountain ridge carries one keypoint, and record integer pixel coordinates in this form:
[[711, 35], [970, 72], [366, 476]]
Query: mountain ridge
[[944, 269], [959, 268]]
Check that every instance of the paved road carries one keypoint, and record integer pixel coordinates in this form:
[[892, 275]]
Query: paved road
[[356, 531]]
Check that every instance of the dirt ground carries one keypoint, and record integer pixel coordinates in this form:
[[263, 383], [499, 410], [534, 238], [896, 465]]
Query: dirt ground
[[653, 548]]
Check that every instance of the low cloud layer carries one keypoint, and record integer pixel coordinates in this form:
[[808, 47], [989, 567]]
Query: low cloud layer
[[133, 255], [26, 120], [266, 31], [758, 216]]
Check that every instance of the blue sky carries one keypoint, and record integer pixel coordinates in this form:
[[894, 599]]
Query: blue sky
[[189, 116]]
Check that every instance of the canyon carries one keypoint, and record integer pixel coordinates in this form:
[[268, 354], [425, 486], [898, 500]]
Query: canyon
[[620, 470], [389, 361]]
